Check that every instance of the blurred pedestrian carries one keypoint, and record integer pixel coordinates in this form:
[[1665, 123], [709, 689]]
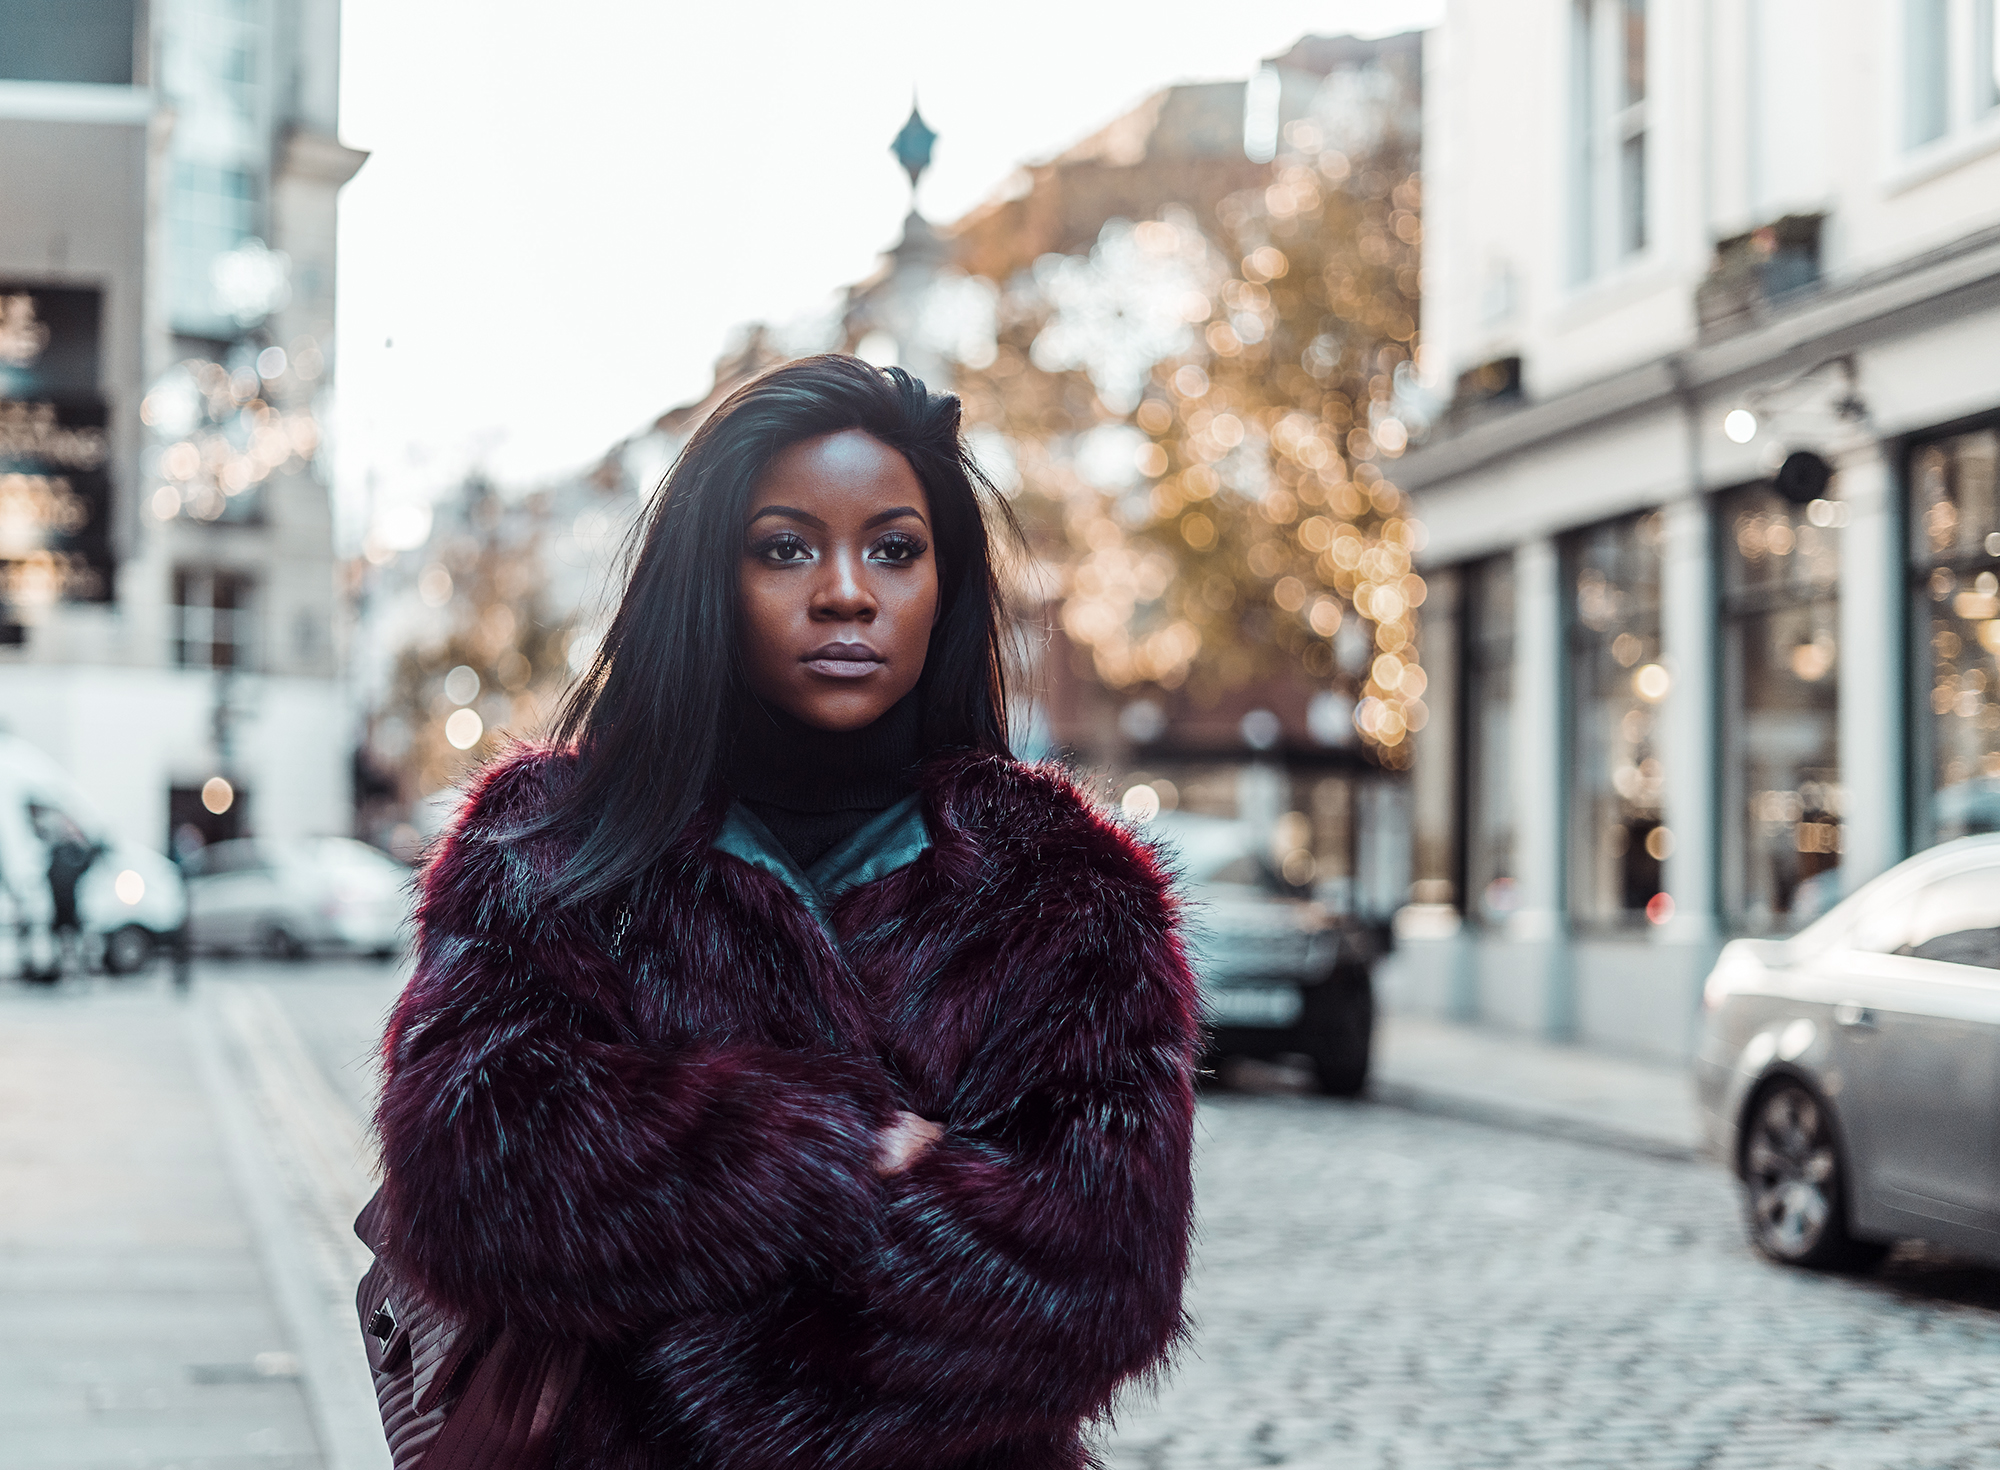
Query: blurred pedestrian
[[70, 855], [809, 1079]]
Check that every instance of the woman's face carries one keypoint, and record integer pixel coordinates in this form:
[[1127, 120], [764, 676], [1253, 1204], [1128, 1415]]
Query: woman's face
[[839, 584]]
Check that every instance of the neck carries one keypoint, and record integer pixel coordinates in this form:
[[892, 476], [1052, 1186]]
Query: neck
[[781, 761]]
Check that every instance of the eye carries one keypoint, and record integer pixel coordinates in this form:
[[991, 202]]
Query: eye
[[898, 548], [785, 549]]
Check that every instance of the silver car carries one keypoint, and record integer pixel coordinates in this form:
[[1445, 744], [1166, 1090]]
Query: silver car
[[285, 900], [1851, 1074]]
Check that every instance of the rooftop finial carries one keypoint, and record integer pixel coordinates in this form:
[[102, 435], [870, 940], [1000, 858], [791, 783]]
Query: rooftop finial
[[913, 145]]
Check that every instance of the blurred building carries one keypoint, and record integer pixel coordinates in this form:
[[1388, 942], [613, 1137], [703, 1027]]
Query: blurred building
[[167, 591], [1714, 537]]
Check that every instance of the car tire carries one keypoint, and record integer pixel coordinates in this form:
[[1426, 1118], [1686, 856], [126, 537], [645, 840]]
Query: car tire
[[279, 943], [1337, 1031], [1795, 1182], [129, 950]]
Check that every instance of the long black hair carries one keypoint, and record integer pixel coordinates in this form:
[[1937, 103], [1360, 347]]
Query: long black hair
[[648, 720]]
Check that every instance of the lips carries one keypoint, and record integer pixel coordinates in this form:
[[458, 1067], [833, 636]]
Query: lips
[[844, 660]]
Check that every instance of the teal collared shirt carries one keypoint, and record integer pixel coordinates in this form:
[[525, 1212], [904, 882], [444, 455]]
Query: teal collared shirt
[[892, 839]]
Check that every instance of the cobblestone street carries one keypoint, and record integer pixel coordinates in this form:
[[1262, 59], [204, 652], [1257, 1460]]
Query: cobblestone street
[[1384, 1290], [1378, 1288]]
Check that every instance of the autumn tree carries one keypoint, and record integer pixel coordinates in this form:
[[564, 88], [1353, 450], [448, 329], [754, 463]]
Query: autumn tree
[[1251, 369]]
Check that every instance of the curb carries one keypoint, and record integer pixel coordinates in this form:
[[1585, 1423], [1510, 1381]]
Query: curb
[[282, 1139], [1417, 1099]]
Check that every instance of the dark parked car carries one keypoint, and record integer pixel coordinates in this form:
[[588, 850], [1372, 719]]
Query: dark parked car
[[1851, 1074], [1281, 973]]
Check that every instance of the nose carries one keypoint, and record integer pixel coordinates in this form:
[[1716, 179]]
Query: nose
[[841, 594]]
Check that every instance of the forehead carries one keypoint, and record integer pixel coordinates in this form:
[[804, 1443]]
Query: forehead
[[840, 474]]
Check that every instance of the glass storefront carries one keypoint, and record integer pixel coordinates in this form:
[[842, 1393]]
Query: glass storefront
[[1782, 799], [1617, 839], [1955, 587], [1487, 603]]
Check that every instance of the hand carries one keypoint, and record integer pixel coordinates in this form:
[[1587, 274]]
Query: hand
[[903, 1142]]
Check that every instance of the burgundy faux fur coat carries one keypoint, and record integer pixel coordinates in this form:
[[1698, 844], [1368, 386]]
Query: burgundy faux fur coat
[[668, 1153]]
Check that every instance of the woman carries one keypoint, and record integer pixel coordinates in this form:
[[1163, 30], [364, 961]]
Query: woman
[[775, 1034]]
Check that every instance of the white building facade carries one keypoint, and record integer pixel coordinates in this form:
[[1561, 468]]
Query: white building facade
[[168, 599], [1714, 530]]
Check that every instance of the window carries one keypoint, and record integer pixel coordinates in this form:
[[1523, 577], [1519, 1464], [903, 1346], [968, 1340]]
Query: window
[[1617, 838], [1781, 669], [1986, 57], [1926, 70], [88, 41], [1951, 67], [1437, 780], [1954, 919], [231, 855], [1489, 698], [1608, 107], [214, 619], [213, 211], [1955, 619]]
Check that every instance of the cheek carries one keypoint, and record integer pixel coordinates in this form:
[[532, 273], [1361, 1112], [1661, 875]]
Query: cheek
[[766, 615], [919, 614]]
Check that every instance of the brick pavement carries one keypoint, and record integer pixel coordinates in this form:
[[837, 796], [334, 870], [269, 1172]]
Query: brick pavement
[[1380, 1289]]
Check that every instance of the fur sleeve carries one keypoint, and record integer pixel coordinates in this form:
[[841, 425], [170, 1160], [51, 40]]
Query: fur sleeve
[[1034, 1259], [546, 1166]]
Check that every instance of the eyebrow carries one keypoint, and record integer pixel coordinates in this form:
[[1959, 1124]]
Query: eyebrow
[[793, 513]]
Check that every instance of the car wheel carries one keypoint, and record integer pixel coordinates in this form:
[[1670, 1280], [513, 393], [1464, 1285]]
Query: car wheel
[[1337, 1029], [1795, 1183], [280, 943], [128, 950]]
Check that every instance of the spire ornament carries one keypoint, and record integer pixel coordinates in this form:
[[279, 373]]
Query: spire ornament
[[913, 145]]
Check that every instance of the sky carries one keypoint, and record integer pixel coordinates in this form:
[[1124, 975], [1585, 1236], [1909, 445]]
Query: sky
[[567, 208]]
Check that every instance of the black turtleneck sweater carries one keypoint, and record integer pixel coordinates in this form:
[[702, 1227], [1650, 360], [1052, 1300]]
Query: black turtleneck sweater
[[813, 788]]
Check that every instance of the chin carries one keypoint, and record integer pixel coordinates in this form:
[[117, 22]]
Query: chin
[[844, 712]]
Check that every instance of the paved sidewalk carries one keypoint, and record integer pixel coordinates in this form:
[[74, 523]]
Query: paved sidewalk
[[1519, 1082], [139, 1327]]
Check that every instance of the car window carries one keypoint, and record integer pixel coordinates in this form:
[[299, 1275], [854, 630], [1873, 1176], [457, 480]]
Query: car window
[[237, 856], [344, 854], [1242, 869], [54, 825], [1954, 919]]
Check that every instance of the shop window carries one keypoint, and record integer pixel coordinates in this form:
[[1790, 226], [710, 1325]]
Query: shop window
[[214, 616], [1489, 730], [1437, 775], [1955, 590], [1783, 799], [1618, 839]]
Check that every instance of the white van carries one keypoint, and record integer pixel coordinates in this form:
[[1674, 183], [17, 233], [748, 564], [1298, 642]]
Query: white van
[[129, 900]]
